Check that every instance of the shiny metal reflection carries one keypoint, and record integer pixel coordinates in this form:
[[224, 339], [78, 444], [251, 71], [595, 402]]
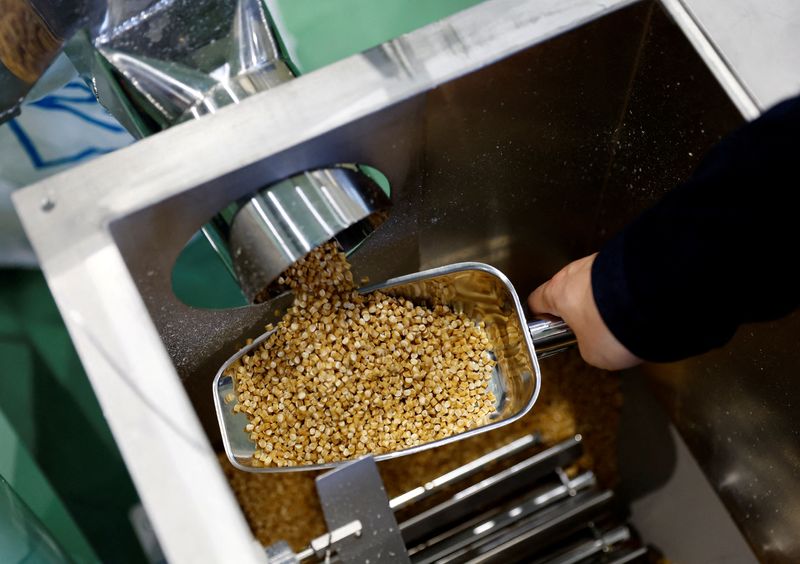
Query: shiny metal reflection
[[171, 89], [252, 43], [478, 290], [171, 93], [166, 90], [284, 222]]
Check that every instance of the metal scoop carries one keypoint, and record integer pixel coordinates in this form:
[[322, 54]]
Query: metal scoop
[[478, 290]]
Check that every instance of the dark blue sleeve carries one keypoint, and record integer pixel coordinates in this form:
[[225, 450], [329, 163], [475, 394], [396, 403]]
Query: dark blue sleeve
[[719, 250]]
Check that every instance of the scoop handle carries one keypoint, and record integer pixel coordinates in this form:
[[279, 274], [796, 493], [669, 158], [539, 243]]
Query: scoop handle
[[550, 336]]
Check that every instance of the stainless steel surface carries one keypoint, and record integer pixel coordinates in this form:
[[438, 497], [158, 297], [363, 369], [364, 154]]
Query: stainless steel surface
[[624, 556], [736, 410], [756, 39], [238, 446], [550, 336], [704, 531], [253, 45], [254, 60], [483, 294], [477, 529], [586, 550], [520, 517], [184, 37], [462, 472], [287, 220], [355, 491], [492, 128], [538, 530], [488, 492], [196, 34], [529, 512], [326, 545], [281, 553], [708, 49], [137, 26], [261, 237], [237, 88], [167, 90], [173, 80]]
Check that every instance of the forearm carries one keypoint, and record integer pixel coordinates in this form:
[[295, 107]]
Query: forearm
[[716, 252]]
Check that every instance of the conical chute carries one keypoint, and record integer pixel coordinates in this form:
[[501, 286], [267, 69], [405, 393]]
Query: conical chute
[[252, 43], [166, 90]]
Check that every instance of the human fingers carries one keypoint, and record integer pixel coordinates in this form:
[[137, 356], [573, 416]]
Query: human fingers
[[563, 295], [568, 294]]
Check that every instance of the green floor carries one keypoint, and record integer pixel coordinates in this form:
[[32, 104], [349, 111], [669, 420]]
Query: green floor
[[56, 450]]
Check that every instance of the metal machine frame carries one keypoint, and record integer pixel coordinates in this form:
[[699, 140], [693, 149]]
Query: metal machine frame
[[107, 235]]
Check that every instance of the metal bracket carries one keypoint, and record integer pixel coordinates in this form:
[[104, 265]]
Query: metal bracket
[[355, 492]]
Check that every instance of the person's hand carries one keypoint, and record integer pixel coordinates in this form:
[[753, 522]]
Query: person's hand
[[568, 295]]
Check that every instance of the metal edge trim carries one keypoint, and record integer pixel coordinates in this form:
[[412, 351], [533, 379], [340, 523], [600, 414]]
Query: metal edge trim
[[743, 99]]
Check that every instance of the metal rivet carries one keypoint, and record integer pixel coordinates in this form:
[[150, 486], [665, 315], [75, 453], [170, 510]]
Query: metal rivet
[[47, 204]]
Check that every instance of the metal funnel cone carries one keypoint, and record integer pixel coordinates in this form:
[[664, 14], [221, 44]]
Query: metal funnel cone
[[167, 90], [252, 43]]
